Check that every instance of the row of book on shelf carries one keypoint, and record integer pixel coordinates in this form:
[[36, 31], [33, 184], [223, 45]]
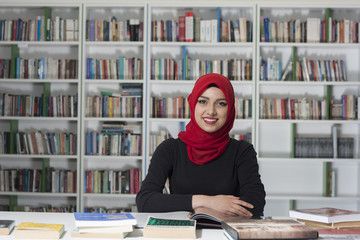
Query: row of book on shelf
[[324, 147], [112, 181], [308, 70], [310, 109], [45, 208], [39, 29], [190, 28], [115, 139], [38, 142], [178, 107], [192, 69], [113, 143], [114, 30], [39, 68], [31, 180], [23, 105], [120, 68], [113, 106], [310, 30]]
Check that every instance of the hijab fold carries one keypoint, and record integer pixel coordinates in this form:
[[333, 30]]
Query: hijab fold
[[203, 147]]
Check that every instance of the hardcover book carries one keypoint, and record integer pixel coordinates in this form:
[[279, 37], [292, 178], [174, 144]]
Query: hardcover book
[[335, 225], [103, 219], [31, 230], [169, 228], [240, 228], [325, 215], [6, 226]]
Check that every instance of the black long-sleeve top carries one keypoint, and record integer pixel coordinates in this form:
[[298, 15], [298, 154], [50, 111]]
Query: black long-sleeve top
[[235, 172]]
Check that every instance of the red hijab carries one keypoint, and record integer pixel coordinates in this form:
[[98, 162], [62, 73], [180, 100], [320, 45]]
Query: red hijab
[[203, 147]]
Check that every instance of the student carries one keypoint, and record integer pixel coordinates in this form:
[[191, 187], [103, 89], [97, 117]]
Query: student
[[205, 167]]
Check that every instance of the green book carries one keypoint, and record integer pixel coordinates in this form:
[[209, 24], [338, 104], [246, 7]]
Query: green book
[[169, 228]]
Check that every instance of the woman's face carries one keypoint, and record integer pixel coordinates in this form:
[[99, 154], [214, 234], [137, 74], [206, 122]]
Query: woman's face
[[211, 110]]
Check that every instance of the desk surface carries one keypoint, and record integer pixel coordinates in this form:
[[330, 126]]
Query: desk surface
[[68, 220]]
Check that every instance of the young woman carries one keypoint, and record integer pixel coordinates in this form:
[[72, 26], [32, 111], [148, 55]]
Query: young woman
[[205, 167]]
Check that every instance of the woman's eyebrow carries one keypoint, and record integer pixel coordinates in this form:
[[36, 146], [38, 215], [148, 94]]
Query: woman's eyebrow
[[220, 99]]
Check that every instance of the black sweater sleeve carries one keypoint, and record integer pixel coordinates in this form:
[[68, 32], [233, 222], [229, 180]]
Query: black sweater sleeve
[[251, 188], [150, 197]]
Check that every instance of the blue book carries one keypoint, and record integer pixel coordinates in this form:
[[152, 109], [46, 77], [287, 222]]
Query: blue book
[[39, 29], [121, 67], [18, 67], [184, 63], [266, 27], [103, 219], [92, 30], [218, 23], [169, 30]]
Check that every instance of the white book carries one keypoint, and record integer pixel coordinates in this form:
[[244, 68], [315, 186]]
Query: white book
[[207, 30], [214, 30], [76, 30], [243, 29], [313, 30]]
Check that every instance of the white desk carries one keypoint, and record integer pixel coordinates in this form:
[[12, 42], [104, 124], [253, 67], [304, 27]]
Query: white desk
[[68, 220]]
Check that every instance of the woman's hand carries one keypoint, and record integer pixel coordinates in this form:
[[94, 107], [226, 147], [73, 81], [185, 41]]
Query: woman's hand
[[225, 204]]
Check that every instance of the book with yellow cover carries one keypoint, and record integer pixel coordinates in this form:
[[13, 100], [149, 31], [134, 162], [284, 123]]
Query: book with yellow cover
[[31, 230]]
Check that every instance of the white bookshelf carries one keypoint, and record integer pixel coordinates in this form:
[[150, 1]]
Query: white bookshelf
[[93, 87], [298, 182], [35, 87]]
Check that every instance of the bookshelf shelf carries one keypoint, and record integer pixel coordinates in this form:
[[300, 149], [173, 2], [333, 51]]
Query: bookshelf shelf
[[290, 160], [109, 195], [313, 198], [40, 194]]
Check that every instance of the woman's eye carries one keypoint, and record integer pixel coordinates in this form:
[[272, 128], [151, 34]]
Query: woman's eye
[[223, 104], [201, 101]]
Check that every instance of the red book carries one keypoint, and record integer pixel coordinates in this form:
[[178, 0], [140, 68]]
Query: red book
[[14, 30], [181, 28], [292, 108], [283, 107]]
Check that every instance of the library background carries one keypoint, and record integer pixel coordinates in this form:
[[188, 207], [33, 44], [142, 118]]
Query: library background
[[89, 89]]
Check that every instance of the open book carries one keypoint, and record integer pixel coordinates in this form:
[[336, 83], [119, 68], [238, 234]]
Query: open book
[[208, 218]]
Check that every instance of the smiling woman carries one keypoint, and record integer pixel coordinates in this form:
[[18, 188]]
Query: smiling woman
[[205, 167], [211, 109]]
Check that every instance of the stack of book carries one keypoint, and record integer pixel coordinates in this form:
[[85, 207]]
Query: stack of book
[[329, 220], [103, 225], [32, 230]]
